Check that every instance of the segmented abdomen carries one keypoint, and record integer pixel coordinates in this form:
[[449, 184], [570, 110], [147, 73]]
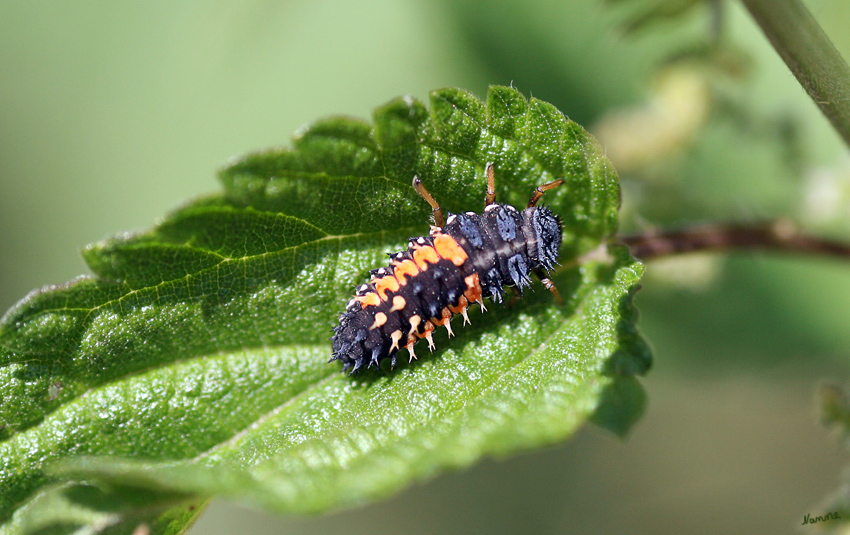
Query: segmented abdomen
[[473, 256]]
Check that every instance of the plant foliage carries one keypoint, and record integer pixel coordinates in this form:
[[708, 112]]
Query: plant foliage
[[193, 362]]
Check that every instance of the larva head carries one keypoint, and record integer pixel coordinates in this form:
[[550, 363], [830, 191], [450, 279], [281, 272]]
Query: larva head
[[545, 228]]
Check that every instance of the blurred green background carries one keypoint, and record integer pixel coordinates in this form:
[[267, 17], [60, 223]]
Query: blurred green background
[[113, 113]]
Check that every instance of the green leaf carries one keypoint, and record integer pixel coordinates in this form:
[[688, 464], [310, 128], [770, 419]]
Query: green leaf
[[193, 362], [834, 408], [76, 508]]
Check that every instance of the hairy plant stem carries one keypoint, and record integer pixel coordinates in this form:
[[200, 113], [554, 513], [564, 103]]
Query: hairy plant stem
[[779, 235], [810, 55]]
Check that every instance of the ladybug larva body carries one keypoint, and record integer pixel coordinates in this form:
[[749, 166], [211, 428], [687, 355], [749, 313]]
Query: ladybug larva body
[[463, 260]]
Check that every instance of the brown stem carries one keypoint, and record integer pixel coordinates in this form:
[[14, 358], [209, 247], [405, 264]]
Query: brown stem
[[779, 235]]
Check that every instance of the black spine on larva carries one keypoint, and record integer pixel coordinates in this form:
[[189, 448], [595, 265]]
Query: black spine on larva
[[503, 247], [543, 232]]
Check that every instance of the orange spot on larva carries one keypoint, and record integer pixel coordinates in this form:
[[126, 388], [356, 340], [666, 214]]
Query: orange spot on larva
[[414, 320], [445, 315], [427, 329], [396, 337], [398, 303], [424, 256], [380, 319], [448, 248], [371, 299], [388, 283], [462, 303], [405, 269], [473, 292]]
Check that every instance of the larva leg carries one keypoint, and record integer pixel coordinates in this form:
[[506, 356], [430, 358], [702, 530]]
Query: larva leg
[[547, 282], [491, 185], [435, 208], [539, 190]]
